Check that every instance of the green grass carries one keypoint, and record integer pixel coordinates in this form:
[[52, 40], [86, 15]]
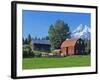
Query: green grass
[[69, 61]]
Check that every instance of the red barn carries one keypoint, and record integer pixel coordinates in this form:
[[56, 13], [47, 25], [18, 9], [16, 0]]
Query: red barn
[[72, 47]]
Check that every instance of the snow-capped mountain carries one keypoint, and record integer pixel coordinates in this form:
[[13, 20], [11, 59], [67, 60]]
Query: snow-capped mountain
[[82, 31]]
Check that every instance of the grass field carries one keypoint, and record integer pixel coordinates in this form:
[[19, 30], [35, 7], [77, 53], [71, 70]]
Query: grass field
[[69, 61]]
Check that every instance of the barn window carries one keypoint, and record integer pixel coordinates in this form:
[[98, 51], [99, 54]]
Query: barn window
[[81, 42], [77, 41]]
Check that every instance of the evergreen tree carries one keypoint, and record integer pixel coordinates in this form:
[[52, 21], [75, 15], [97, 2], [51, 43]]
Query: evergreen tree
[[39, 39], [47, 38], [30, 43], [35, 38], [52, 36], [29, 38], [58, 33], [87, 46], [23, 41]]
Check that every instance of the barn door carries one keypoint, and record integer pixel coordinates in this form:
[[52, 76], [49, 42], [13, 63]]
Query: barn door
[[66, 50]]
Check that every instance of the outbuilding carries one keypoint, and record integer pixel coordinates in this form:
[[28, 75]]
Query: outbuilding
[[72, 47], [41, 45]]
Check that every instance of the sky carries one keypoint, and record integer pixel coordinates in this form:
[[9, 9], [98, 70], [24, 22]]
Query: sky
[[37, 23]]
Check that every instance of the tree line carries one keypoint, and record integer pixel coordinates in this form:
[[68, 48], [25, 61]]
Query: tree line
[[29, 38]]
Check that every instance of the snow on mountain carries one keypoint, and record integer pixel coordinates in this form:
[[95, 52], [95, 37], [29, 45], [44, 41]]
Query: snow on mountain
[[82, 31]]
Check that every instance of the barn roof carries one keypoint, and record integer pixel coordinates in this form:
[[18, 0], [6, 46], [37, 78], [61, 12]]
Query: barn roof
[[69, 42], [46, 42]]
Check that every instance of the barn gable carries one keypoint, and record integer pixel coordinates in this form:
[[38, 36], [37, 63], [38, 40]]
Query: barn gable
[[69, 42]]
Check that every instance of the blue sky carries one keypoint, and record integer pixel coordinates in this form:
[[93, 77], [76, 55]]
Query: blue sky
[[37, 23]]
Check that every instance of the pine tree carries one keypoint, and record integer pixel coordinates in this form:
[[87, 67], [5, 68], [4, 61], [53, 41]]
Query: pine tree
[[29, 38], [30, 42], [58, 33], [23, 41]]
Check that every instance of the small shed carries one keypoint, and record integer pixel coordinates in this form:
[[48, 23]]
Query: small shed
[[72, 47]]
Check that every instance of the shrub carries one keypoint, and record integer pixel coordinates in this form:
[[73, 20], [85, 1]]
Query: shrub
[[27, 54], [37, 53]]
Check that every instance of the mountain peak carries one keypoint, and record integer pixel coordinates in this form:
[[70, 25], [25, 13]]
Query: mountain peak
[[79, 28], [86, 28], [82, 31]]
